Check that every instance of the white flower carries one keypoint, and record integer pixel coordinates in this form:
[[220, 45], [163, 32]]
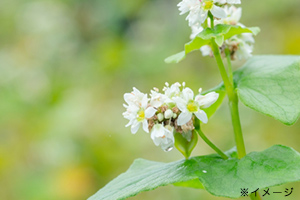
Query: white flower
[[137, 110], [189, 106], [157, 99], [196, 29], [163, 136], [233, 16], [206, 50], [168, 114], [244, 44], [171, 92], [241, 45], [135, 97], [187, 5], [198, 10]]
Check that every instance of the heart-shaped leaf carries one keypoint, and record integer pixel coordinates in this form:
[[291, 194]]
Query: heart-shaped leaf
[[274, 166], [271, 85]]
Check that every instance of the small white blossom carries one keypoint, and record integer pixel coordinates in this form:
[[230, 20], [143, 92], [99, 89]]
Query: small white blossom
[[198, 10], [135, 97], [206, 50], [160, 117], [189, 106], [163, 136], [157, 99], [241, 46], [137, 110], [233, 16], [171, 92], [196, 29], [244, 45], [168, 114]]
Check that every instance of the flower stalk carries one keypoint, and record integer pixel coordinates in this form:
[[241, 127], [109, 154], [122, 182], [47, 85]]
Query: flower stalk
[[214, 147]]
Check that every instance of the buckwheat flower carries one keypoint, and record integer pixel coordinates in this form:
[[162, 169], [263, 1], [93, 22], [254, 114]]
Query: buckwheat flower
[[196, 29], [189, 106], [206, 50], [198, 10], [187, 5], [168, 114], [233, 16], [135, 97], [157, 99], [171, 92], [241, 45], [137, 110], [163, 136]]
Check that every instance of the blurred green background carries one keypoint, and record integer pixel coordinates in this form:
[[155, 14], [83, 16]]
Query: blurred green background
[[64, 67]]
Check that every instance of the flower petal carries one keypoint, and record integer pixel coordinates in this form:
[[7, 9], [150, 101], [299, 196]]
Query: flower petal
[[144, 102], [188, 94], [129, 123], [237, 14], [218, 12], [183, 118], [181, 104], [135, 127], [149, 112], [220, 1], [207, 100], [145, 126], [203, 16], [201, 115]]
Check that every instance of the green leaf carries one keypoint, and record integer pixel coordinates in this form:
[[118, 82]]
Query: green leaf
[[194, 183], [271, 85], [186, 142], [176, 58], [219, 40], [274, 166], [219, 33]]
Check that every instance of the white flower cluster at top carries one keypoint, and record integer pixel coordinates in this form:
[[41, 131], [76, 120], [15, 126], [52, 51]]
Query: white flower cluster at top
[[240, 46], [162, 114]]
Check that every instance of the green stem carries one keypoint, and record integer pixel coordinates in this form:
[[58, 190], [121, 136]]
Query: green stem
[[216, 51], [235, 118], [211, 19], [230, 74], [201, 134], [233, 103]]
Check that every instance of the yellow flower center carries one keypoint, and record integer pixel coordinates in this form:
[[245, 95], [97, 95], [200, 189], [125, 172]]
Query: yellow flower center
[[192, 106], [141, 115], [208, 5]]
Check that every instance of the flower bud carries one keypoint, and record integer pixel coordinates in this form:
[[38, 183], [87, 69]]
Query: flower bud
[[168, 114], [160, 117]]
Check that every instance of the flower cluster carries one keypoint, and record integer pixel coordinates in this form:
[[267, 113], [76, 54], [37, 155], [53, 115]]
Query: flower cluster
[[240, 46], [165, 113], [198, 9]]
